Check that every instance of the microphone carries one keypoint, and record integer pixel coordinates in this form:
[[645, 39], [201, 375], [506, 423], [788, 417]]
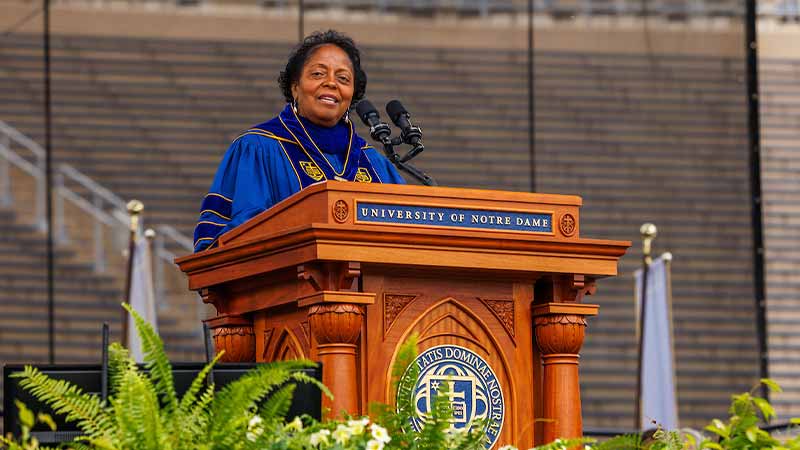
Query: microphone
[[410, 133], [369, 115]]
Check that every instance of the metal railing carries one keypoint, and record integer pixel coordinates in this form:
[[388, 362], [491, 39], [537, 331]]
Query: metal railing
[[32, 164], [103, 207]]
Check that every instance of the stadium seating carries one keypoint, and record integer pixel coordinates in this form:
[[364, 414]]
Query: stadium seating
[[640, 137], [780, 115]]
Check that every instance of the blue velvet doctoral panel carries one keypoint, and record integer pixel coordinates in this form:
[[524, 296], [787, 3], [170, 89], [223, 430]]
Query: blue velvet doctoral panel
[[278, 158]]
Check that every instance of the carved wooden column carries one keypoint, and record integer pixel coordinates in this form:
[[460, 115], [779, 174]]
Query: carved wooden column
[[234, 334], [560, 327], [335, 318]]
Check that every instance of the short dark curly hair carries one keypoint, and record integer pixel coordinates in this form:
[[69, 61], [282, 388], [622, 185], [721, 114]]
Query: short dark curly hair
[[301, 53]]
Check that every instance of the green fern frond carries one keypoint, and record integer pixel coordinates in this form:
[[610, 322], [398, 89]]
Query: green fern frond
[[624, 442], [241, 396], [189, 428], [302, 377], [190, 420], [562, 444], [67, 399], [434, 432], [203, 402], [136, 409], [75, 445], [404, 376], [119, 362], [277, 405], [156, 361], [190, 397]]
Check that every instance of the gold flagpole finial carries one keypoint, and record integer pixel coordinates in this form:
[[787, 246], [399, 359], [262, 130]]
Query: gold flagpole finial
[[135, 208], [648, 232]]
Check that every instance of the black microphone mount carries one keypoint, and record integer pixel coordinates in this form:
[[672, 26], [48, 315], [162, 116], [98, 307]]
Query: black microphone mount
[[410, 134]]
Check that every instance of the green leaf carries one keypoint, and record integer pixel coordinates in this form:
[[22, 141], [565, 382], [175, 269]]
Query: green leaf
[[26, 417], [766, 409], [795, 420], [751, 434], [47, 420], [771, 384], [718, 428]]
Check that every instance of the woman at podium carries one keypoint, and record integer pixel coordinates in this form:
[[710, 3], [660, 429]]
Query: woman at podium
[[310, 141]]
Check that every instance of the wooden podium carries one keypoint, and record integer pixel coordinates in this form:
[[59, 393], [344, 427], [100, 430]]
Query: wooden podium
[[343, 273]]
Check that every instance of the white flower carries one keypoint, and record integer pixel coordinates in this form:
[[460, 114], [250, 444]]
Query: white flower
[[508, 447], [296, 425], [373, 444], [320, 437], [357, 426], [380, 433], [254, 428], [342, 434], [256, 421]]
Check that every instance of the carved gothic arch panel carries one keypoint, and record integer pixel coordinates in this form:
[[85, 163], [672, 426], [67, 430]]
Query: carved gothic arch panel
[[287, 346], [449, 321]]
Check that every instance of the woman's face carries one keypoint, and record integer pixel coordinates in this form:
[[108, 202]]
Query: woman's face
[[325, 88]]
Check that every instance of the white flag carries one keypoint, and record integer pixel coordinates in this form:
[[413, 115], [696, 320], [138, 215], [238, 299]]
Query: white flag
[[658, 400], [142, 295]]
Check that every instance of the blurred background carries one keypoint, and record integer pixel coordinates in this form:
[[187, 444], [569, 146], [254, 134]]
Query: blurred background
[[642, 107]]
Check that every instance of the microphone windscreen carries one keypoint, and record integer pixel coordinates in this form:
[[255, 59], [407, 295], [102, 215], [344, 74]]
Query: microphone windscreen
[[395, 109], [364, 109]]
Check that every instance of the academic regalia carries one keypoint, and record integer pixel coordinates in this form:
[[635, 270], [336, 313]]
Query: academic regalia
[[278, 158]]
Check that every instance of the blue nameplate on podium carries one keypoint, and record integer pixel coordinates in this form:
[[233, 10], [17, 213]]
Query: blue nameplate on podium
[[437, 216]]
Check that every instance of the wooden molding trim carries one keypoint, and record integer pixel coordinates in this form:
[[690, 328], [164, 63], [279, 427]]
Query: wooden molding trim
[[228, 320], [358, 298], [581, 309]]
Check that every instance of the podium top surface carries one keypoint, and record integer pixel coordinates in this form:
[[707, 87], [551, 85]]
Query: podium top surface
[[410, 226]]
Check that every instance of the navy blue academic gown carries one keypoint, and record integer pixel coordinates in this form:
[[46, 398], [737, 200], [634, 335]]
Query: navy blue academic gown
[[278, 158]]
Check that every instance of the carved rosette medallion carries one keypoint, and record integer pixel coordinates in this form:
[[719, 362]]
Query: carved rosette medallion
[[335, 323], [393, 305], [504, 311], [560, 333], [341, 211], [567, 224], [238, 341]]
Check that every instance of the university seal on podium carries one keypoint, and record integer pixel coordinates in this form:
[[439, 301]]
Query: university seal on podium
[[471, 385]]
